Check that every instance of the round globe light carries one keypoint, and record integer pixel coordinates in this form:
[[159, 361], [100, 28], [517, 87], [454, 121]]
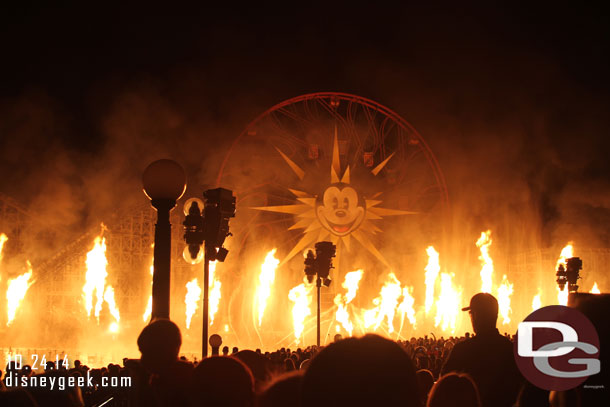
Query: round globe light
[[164, 180]]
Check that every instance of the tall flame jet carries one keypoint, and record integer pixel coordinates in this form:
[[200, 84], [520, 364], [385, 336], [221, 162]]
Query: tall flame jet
[[432, 270], [487, 265], [15, 293], [95, 282], [266, 279], [352, 279], [301, 296]]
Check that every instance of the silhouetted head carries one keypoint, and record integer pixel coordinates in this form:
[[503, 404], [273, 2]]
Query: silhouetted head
[[370, 371], [222, 381], [225, 350], [454, 390], [159, 344], [284, 391], [425, 381], [483, 310]]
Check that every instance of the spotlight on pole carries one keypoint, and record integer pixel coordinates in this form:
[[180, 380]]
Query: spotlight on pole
[[207, 224], [319, 265]]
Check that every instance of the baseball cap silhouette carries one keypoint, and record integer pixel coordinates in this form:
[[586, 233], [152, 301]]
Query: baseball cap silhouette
[[482, 303]]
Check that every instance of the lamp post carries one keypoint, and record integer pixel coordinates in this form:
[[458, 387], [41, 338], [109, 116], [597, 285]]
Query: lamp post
[[164, 183], [318, 266]]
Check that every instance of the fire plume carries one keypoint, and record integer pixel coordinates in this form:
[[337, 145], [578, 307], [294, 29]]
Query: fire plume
[[504, 292], [487, 265], [95, 281], [301, 296], [536, 302], [114, 311], [96, 276], [432, 270], [193, 295], [406, 306], [15, 293], [595, 289], [448, 304], [266, 279], [214, 296], [352, 279], [385, 305]]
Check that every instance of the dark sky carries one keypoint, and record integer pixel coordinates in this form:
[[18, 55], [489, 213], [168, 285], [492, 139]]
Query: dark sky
[[521, 91]]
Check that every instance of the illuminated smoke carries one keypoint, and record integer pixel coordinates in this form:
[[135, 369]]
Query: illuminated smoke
[[148, 311], [595, 289], [448, 304], [432, 270], [505, 290], [193, 295], [566, 253], [352, 279], [214, 295], [536, 302], [487, 266], [15, 292], [266, 279], [301, 296], [385, 305]]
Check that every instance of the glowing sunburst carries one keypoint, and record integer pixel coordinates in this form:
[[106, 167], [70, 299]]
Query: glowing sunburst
[[337, 214]]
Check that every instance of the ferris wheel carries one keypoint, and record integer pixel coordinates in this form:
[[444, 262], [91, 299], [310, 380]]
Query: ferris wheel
[[330, 166]]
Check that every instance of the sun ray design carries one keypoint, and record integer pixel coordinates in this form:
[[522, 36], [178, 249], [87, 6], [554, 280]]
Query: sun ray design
[[337, 214]]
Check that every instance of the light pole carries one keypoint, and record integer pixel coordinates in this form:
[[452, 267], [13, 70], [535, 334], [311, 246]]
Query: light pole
[[318, 266], [164, 183]]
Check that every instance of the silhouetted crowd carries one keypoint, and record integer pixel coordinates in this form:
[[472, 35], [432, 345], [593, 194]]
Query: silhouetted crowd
[[476, 370]]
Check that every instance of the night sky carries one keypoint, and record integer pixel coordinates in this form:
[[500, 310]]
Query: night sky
[[511, 99]]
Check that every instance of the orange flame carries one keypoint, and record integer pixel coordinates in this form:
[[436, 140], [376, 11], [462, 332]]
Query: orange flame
[[193, 295], [352, 279], [114, 311], [536, 302], [566, 253], [96, 276], [385, 305], [432, 270], [487, 265], [266, 279], [301, 296], [448, 304], [595, 289], [406, 306], [214, 296], [95, 280], [15, 293], [504, 292]]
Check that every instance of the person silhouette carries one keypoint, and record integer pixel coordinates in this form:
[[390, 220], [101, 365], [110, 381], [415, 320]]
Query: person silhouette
[[487, 356], [367, 371], [222, 381], [454, 390], [161, 379]]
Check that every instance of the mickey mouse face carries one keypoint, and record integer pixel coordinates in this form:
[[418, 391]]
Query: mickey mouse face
[[340, 210]]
